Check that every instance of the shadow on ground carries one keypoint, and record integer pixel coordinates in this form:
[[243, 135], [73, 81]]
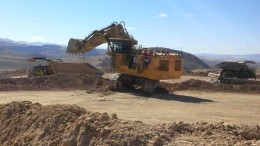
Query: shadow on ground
[[180, 98], [163, 94]]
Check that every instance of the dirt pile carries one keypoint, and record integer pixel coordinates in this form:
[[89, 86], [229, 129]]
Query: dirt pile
[[55, 82], [193, 84], [25, 123], [18, 72]]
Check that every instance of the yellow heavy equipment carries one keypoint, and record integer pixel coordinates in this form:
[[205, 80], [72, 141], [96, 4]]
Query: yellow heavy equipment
[[56, 66], [134, 65]]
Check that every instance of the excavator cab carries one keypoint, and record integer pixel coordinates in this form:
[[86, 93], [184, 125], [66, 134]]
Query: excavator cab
[[120, 46]]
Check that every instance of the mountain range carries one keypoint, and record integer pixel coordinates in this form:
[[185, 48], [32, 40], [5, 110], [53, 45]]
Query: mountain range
[[38, 49], [15, 54], [213, 59]]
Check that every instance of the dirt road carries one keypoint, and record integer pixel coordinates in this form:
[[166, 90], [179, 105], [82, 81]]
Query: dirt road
[[187, 106]]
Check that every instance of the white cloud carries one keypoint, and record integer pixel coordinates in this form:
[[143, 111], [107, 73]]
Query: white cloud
[[162, 15], [37, 38]]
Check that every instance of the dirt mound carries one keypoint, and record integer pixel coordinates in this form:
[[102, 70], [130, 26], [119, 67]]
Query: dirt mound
[[193, 84], [18, 72], [25, 123], [55, 82]]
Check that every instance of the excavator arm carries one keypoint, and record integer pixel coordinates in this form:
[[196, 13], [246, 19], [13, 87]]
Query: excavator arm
[[99, 37]]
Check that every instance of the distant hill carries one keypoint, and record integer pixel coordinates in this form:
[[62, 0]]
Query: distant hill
[[8, 42], [45, 50], [14, 54], [213, 59]]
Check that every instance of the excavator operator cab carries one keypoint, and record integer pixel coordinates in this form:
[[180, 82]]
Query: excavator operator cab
[[120, 46]]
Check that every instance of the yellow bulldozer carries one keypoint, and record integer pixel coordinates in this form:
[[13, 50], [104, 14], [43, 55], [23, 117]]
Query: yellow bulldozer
[[133, 65]]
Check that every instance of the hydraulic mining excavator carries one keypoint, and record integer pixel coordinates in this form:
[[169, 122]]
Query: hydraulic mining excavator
[[133, 65]]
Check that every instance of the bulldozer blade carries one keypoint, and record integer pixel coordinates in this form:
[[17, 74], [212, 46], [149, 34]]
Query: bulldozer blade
[[75, 46]]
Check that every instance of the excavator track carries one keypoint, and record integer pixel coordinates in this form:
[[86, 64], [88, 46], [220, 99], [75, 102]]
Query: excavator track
[[119, 81], [113, 81], [149, 86]]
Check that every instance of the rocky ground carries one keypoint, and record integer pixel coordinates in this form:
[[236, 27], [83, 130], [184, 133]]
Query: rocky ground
[[200, 85], [12, 73], [55, 82], [26, 123], [99, 84]]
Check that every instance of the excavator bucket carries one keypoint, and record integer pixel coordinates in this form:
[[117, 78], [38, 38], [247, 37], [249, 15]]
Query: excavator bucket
[[75, 46]]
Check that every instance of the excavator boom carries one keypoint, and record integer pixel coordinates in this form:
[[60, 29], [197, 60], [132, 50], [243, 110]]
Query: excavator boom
[[99, 37]]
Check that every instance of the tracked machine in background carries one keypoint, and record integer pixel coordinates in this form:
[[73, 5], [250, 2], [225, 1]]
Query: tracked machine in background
[[50, 66], [134, 66]]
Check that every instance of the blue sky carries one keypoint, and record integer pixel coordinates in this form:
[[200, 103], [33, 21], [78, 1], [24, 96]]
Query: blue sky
[[196, 26]]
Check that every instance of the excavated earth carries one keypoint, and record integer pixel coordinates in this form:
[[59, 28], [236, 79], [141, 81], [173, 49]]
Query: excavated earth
[[56, 82], [193, 84], [12, 73], [99, 84], [26, 123]]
